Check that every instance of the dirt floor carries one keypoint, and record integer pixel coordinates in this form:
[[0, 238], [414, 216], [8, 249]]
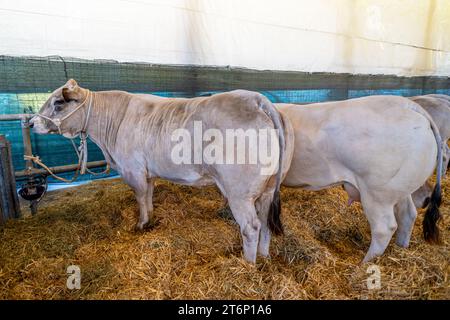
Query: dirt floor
[[194, 252]]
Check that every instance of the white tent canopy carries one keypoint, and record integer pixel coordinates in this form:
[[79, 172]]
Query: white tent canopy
[[407, 37]]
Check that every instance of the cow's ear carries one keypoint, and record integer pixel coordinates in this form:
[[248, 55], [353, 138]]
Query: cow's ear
[[71, 90]]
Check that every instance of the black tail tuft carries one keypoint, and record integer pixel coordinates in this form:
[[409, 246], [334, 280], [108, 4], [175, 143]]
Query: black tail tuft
[[432, 216], [274, 220]]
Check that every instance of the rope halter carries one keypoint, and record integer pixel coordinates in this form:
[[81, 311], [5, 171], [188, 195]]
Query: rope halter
[[81, 151]]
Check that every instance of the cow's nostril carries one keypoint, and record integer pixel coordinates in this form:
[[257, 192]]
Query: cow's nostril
[[426, 202]]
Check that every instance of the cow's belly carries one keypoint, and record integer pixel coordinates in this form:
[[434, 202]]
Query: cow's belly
[[311, 171], [189, 178], [313, 165], [186, 174], [159, 165]]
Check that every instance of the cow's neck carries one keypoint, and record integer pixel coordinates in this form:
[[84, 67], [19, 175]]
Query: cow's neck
[[107, 113]]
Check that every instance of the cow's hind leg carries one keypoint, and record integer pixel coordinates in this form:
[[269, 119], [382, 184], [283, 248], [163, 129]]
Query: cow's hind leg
[[382, 225], [263, 207], [244, 213], [405, 214]]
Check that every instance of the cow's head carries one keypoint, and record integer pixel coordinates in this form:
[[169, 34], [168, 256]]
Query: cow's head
[[421, 197], [59, 114]]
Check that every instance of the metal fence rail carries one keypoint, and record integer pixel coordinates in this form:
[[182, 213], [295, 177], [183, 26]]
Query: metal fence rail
[[29, 169], [9, 204], [20, 116]]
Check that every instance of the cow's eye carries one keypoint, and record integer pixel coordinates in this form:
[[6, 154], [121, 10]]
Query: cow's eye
[[59, 104]]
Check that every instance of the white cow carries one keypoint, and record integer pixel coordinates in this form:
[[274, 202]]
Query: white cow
[[381, 149], [135, 133], [438, 106]]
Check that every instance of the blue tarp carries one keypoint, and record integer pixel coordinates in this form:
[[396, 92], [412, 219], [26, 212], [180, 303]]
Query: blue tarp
[[55, 150]]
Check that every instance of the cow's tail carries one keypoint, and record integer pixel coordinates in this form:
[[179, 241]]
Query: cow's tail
[[273, 219], [432, 215]]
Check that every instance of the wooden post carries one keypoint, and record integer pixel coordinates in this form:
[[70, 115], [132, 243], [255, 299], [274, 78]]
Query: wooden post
[[9, 202], [28, 151], [26, 137]]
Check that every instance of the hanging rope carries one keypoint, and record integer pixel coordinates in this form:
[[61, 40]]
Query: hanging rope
[[38, 161]]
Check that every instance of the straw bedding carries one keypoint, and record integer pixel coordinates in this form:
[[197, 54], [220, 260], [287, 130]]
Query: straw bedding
[[194, 250]]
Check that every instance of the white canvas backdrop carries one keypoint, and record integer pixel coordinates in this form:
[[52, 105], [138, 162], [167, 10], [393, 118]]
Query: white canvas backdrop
[[403, 37]]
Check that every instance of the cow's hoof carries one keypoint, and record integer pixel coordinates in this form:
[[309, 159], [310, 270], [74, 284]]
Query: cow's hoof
[[265, 256], [402, 243], [141, 227], [263, 250], [153, 223]]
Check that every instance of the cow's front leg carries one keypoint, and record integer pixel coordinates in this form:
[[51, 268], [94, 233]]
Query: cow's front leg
[[138, 182], [151, 217], [141, 197]]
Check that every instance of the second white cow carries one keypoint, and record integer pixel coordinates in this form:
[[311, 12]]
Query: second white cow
[[438, 107], [381, 149]]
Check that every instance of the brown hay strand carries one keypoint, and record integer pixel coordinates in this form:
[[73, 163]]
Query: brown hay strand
[[194, 253]]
